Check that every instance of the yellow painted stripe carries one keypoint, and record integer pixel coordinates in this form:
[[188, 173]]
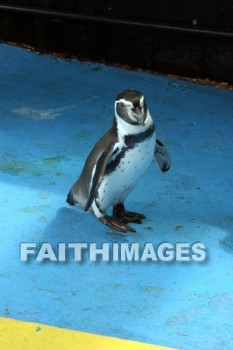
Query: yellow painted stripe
[[19, 335]]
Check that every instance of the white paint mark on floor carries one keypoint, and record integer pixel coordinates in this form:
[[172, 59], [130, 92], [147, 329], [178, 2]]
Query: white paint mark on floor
[[90, 99], [38, 114]]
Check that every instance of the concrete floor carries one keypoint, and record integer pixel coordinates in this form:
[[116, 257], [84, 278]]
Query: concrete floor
[[52, 112]]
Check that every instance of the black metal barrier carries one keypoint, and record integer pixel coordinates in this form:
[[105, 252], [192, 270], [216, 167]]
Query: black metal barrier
[[188, 38]]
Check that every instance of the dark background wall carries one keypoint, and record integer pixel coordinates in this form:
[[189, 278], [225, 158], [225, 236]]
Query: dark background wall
[[190, 38]]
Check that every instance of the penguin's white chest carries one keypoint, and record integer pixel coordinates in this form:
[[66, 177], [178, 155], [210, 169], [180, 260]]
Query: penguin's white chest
[[131, 165]]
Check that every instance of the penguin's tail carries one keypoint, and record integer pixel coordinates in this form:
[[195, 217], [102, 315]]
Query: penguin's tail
[[70, 199]]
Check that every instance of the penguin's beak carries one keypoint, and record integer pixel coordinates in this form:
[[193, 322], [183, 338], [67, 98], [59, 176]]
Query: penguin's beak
[[139, 116]]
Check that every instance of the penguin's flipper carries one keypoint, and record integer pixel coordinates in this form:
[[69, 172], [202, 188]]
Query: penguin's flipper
[[99, 171], [162, 156]]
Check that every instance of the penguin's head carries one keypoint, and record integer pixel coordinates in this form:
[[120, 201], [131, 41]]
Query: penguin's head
[[131, 107]]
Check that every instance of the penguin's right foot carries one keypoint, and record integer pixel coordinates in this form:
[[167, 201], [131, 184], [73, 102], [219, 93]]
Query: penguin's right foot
[[119, 213], [115, 224]]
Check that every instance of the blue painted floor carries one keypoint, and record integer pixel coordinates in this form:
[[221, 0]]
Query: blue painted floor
[[52, 112]]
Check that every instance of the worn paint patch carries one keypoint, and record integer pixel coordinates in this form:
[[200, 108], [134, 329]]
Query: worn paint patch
[[203, 146], [50, 291], [42, 219], [39, 113], [115, 285], [34, 209], [228, 218], [90, 99], [53, 162], [84, 134], [151, 205], [151, 289], [178, 227], [42, 195], [9, 155], [227, 242], [15, 167], [58, 173], [148, 228]]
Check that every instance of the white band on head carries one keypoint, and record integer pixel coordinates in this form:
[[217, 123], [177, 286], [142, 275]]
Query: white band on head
[[141, 101], [126, 102]]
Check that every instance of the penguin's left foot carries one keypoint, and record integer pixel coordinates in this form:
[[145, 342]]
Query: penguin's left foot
[[125, 216], [115, 224]]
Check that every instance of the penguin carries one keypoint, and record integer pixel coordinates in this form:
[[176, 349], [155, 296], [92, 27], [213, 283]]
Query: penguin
[[117, 162]]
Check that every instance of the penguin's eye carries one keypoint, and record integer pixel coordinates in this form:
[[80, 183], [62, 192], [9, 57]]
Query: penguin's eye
[[125, 106]]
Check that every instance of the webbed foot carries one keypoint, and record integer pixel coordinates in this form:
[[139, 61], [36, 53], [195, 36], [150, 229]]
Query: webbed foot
[[115, 224], [125, 216]]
